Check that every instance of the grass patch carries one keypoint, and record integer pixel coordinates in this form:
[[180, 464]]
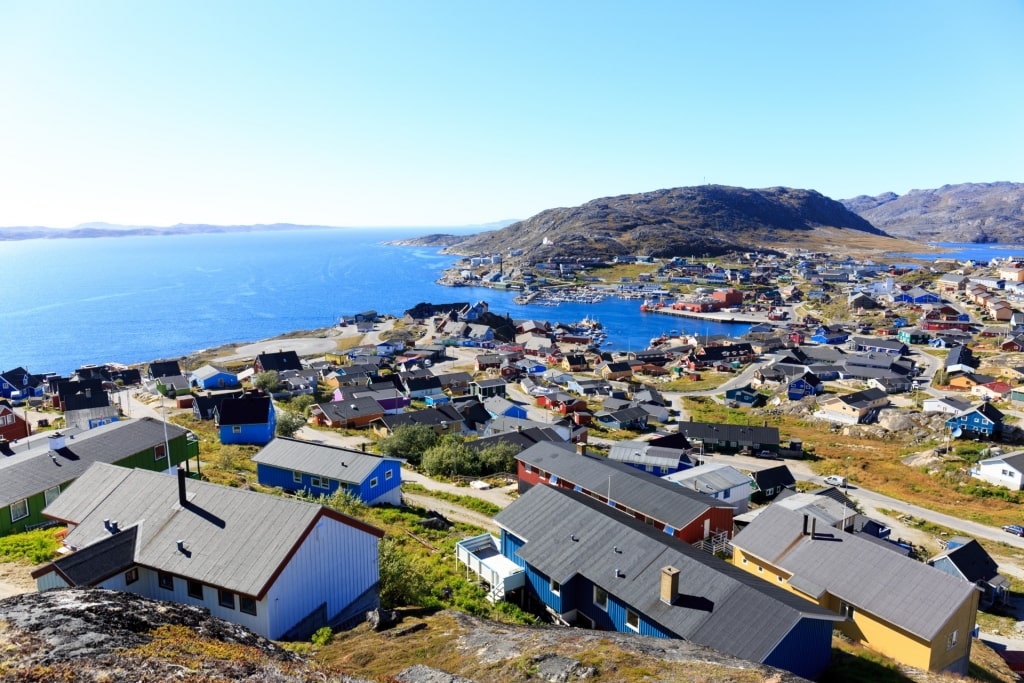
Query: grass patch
[[34, 547], [468, 502]]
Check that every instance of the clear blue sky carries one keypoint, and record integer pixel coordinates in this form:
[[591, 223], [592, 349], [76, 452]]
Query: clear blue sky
[[448, 112]]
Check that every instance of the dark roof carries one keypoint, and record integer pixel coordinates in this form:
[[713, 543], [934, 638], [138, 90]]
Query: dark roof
[[568, 534], [101, 560], [279, 360], [973, 562], [717, 432], [248, 410], [773, 477], [661, 500], [351, 408], [164, 368]]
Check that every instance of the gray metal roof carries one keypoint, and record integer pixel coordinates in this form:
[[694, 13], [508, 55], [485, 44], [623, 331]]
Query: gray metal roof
[[710, 478], [39, 468], [642, 453], [569, 534], [337, 463], [234, 538], [670, 504], [904, 592]]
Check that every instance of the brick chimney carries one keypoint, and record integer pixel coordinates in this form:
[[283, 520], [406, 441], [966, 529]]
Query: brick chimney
[[669, 584]]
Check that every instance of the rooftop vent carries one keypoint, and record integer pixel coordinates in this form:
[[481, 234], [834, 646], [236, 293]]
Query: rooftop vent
[[56, 441]]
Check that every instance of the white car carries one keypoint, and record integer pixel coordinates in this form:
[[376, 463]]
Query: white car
[[835, 480]]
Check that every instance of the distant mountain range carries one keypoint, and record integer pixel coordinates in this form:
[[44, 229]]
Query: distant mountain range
[[709, 219], [686, 221], [971, 212]]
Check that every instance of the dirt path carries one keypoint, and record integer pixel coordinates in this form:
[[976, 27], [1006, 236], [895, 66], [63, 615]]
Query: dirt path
[[453, 512], [15, 579]]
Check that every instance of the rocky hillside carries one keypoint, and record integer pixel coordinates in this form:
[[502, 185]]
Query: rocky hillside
[[98, 635], [684, 221], [971, 212]]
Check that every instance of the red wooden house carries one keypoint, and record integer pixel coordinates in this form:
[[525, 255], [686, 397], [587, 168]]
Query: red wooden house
[[667, 507]]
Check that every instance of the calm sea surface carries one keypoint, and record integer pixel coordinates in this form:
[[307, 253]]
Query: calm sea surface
[[68, 302]]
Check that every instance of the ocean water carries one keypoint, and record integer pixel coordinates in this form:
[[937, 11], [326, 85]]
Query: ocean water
[[69, 302]]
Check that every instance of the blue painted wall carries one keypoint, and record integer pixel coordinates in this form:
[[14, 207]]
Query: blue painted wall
[[269, 475], [806, 650]]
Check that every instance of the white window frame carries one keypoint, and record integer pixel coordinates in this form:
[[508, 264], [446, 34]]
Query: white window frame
[[22, 502], [847, 610], [556, 588], [236, 429], [373, 483], [50, 494], [598, 602], [632, 616], [159, 451], [296, 477], [953, 639], [388, 474]]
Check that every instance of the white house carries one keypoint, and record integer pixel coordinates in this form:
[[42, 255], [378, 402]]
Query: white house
[[720, 481], [949, 406], [280, 567], [1002, 470]]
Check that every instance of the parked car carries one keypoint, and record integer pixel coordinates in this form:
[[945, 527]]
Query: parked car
[[1015, 529], [767, 455], [835, 480]]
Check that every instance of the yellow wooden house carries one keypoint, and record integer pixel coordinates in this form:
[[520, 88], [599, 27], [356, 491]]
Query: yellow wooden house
[[896, 606]]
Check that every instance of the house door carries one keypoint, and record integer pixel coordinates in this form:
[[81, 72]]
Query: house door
[[707, 528]]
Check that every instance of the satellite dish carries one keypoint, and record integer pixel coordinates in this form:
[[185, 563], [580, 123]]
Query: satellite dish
[[957, 433]]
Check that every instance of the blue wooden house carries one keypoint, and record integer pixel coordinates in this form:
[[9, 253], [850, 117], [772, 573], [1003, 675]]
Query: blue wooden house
[[830, 334], [984, 420], [296, 465], [499, 406], [808, 384], [916, 295], [588, 563], [213, 378], [246, 420], [19, 384], [744, 397]]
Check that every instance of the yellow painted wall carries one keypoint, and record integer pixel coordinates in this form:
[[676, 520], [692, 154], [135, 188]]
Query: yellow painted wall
[[878, 634]]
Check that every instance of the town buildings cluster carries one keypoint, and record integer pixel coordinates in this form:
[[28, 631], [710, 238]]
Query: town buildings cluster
[[630, 541]]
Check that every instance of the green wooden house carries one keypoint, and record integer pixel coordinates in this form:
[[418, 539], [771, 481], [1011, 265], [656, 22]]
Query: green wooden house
[[34, 472], [913, 335]]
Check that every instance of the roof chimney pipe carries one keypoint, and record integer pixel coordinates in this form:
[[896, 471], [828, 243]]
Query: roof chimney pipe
[[669, 584], [181, 487], [113, 526], [181, 545]]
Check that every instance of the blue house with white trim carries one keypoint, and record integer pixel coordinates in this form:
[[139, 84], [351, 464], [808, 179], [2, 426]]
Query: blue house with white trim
[[830, 334], [316, 469], [807, 384], [588, 564], [246, 420], [985, 420]]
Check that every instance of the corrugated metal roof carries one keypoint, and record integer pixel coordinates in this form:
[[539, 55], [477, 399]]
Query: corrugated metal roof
[[718, 605], [39, 468], [710, 477], [341, 464], [670, 504], [904, 592], [233, 538]]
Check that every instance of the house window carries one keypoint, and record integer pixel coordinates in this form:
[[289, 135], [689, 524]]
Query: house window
[[601, 598], [165, 580], [195, 590], [527, 468], [19, 509], [388, 475], [556, 588], [846, 609], [247, 604], [953, 638], [633, 620], [50, 495], [226, 598], [296, 477], [317, 482], [373, 482], [131, 576], [159, 451], [236, 429]]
